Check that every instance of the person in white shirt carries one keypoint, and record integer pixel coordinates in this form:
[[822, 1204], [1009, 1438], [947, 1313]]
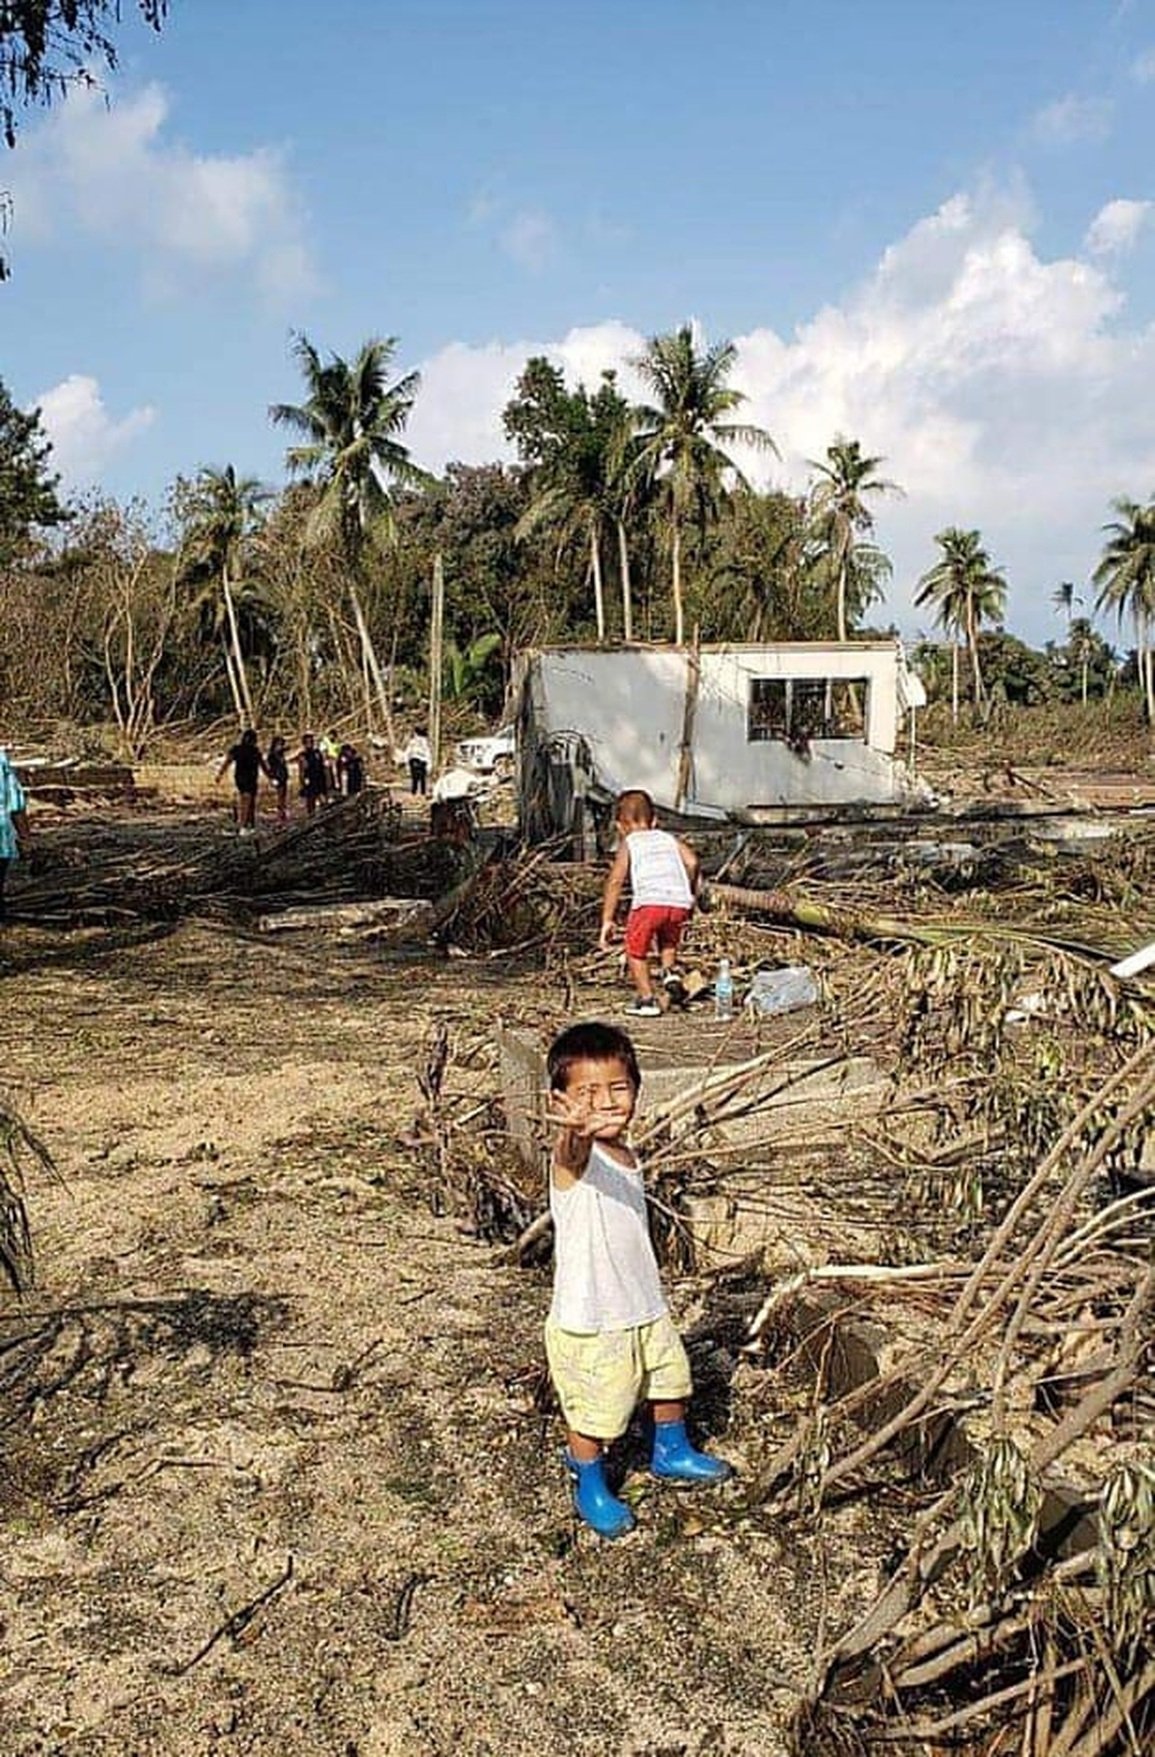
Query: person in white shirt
[[663, 872], [609, 1337], [419, 756]]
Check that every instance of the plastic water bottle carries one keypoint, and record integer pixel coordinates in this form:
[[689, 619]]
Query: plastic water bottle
[[724, 991]]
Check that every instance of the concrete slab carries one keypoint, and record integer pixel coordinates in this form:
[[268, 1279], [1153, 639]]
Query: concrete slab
[[697, 1076]]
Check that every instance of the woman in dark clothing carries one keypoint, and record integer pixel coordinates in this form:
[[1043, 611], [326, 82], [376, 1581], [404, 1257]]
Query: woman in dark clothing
[[350, 770], [277, 766], [313, 772], [247, 764]]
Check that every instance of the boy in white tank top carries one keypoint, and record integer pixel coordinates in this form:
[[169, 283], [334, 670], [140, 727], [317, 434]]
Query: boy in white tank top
[[663, 873], [609, 1338]]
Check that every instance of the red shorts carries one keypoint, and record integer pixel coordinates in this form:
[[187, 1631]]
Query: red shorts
[[654, 923]]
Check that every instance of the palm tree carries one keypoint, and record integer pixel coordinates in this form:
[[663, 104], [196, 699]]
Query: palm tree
[[573, 491], [221, 514], [966, 591], [1064, 598], [1081, 644], [627, 483], [684, 433], [842, 513], [1125, 577], [350, 425], [581, 450]]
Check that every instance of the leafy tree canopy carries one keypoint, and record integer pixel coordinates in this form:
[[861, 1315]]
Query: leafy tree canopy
[[27, 487], [48, 45]]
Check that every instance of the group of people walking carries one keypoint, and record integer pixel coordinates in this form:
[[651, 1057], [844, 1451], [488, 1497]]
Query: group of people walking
[[325, 770]]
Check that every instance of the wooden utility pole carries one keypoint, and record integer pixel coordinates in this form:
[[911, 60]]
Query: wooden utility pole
[[689, 715], [436, 642]]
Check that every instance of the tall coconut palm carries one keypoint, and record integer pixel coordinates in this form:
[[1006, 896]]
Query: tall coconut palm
[[572, 492], [684, 434], [1082, 643], [965, 591], [351, 451], [221, 514], [580, 449], [1125, 577], [628, 485], [1064, 598], [842, 513]]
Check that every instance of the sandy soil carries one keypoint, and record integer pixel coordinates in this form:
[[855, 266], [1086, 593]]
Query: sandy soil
[[272, 1477]]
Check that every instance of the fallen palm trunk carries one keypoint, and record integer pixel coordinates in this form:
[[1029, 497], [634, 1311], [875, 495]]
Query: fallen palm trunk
[[798, 911], [400, 915]]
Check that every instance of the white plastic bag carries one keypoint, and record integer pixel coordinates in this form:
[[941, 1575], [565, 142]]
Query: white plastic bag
[[782, 991]]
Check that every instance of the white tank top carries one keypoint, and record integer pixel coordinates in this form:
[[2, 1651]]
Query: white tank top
[[605, 1273], [658, 875]]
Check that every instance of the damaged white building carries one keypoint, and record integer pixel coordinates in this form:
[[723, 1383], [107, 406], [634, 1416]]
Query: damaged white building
[[745, 733]]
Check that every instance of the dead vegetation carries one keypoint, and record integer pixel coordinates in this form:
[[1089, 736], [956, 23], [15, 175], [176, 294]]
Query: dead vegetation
[[968, 1348], [1004, 1193]]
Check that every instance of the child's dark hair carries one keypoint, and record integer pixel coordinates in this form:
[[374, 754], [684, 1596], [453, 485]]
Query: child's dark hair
[[592, 1042], [636, 808]]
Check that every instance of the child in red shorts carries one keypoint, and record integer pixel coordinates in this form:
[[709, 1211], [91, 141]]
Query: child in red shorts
[[663, 874]]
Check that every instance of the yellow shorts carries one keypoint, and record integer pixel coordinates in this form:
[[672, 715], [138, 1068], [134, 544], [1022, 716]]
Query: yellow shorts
[[600, 1379]]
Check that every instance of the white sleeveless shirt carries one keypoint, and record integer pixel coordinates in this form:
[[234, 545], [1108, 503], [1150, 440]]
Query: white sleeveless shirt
[[605, 1272], [658, 876]]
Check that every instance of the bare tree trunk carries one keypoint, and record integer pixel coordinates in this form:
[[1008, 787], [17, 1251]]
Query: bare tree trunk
[[627, 589], [238, 658], [954, 681], [972, 643], [436, 660], [840, 608], [305, 681], [676, 582], [599, 590], [369, 662], [238, 705]]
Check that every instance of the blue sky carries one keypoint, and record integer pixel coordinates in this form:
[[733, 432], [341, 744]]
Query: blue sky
[[927, 225]]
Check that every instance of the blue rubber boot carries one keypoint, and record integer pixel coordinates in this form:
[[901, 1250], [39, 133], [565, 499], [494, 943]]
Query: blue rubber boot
[[594, 1503], [675, 1460]]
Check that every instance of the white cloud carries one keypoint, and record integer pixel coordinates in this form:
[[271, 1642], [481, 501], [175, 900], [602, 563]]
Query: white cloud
[[110, 171], [1003, 389], [85, 437], [529, 239], [1116, 226], [457, 416], [1070, 119], [1143, 67]]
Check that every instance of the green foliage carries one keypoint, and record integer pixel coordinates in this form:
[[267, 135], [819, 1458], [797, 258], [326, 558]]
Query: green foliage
[[762, 578], [28, 498], [1013, 672], [964, 590], [856, 568], [1084, 667], [1125, 577], [684, 437], [350, 451], [582, 459], [469, 675]]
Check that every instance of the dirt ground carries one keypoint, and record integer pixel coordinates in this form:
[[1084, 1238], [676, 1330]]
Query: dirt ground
[[272, 1477]]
